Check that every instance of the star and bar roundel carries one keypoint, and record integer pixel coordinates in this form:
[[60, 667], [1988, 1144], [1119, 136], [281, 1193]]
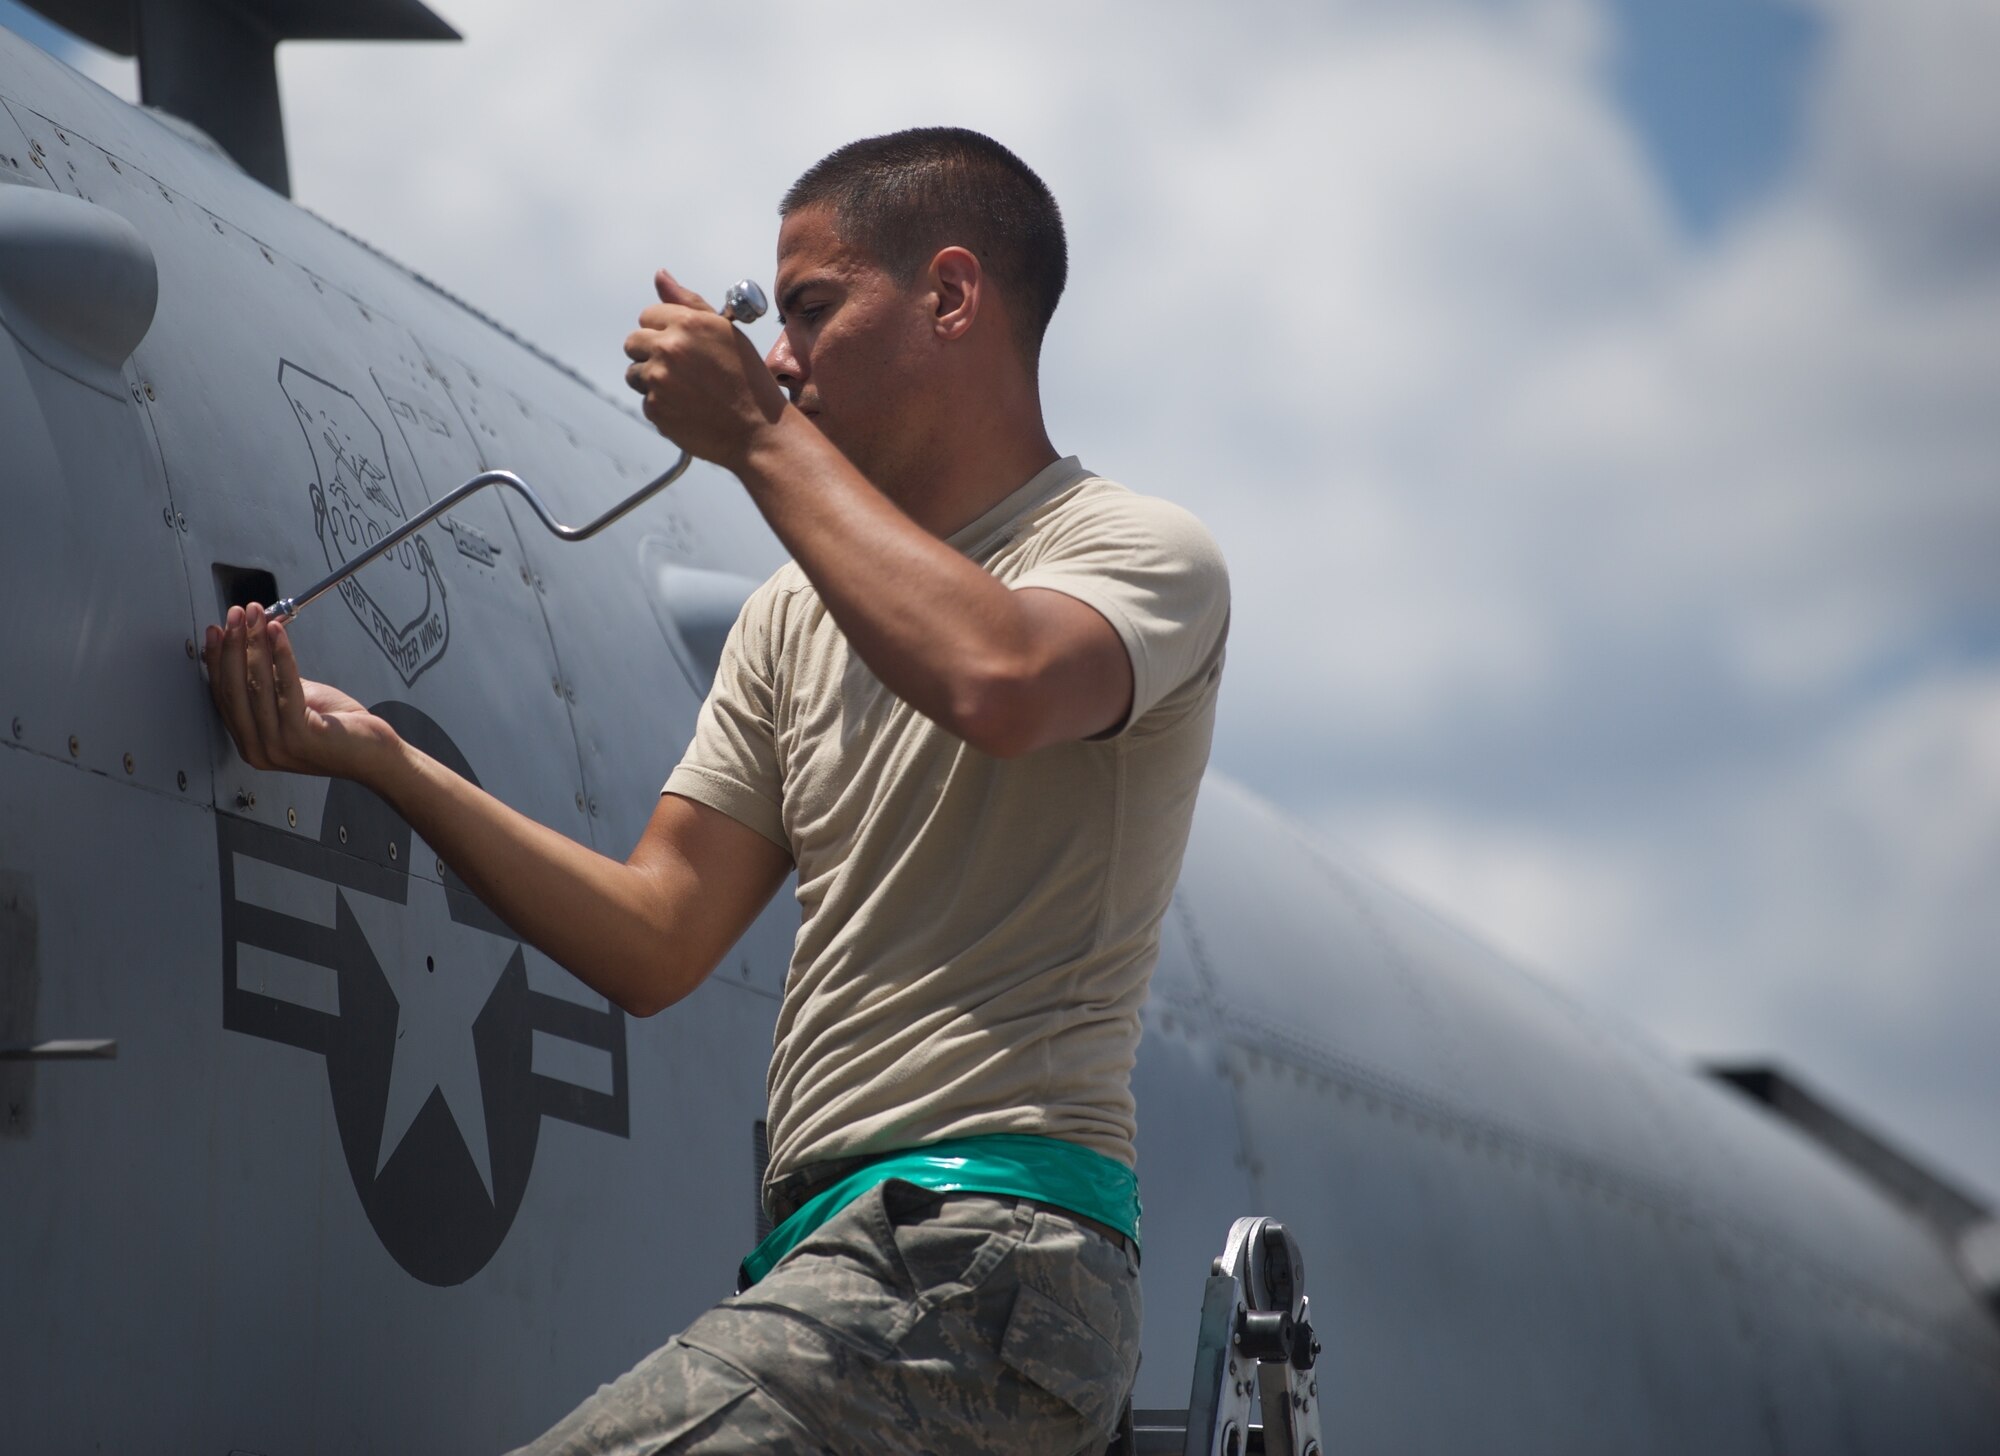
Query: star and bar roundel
[[441, 1059]]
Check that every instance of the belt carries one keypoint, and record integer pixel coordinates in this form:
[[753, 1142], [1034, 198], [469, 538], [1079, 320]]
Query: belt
[[796, 1189]]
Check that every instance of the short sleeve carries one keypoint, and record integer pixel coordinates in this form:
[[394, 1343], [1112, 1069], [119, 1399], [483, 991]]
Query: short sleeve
[[1152, 571], [732, 763]]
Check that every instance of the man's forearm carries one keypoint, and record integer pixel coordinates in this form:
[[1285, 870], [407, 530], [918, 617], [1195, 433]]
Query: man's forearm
[[599, 919]]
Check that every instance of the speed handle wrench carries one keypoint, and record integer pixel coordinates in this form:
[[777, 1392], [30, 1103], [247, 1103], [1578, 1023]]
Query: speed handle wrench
[[744, 303]]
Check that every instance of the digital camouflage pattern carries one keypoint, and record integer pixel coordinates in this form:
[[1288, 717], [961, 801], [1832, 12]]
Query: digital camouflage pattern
[[911, 1322]]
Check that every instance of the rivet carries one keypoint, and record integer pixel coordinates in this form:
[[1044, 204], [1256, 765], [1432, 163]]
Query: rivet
[[128, 763], [526, 580], [149, 390], [440, 865], [243, 799], [392, 849], [181, 779], [181, 521], [17, 728], [61, 136], [292, 816], [189, 645], [266, 252], [166, 512], [74, 747], [556, 683], [579, 803], [593, 808], [114, 166], [343, 834], [217, 225]]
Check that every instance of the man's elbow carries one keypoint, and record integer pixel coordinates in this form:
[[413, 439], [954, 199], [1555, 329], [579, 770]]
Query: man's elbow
[[1000, 712], [661, 985]]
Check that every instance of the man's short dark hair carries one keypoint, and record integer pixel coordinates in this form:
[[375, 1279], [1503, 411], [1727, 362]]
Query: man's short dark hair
[[902, 197]]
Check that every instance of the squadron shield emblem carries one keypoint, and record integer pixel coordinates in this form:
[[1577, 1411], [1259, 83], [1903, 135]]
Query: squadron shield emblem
[[441, 1059], [399, 600]]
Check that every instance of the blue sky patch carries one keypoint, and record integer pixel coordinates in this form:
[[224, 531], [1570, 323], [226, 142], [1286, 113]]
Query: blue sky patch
[[1714, 89]]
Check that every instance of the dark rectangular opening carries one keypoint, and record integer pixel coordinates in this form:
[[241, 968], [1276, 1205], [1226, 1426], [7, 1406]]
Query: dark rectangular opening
[[239, 586]]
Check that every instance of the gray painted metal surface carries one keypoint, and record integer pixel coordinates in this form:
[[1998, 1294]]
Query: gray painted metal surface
[[369, 1176]]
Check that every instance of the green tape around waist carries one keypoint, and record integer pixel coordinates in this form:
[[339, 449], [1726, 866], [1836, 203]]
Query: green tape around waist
[[1015, 1165]]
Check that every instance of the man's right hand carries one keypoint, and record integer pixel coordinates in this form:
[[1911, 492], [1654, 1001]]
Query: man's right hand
[[279, 720]]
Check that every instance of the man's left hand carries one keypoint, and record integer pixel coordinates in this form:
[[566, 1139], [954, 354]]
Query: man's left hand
[[705, 386]]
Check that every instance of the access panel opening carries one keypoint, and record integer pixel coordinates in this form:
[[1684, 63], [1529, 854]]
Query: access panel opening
[[239, 586]]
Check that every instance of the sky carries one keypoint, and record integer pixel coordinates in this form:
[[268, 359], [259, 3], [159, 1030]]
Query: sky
[[1598, 402]]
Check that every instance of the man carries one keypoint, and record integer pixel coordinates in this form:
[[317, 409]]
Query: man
[[972, 712]]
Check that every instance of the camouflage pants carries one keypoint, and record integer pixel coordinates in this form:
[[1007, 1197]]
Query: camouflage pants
[[910, 1322]]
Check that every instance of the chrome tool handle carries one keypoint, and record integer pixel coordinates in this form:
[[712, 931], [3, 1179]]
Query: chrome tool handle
[[744, 303]]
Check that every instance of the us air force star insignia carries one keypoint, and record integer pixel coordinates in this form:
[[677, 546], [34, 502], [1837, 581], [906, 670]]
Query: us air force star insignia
[[442, 974], [417, 996]]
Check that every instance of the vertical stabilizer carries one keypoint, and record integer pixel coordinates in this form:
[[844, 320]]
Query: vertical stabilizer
[[214, 62]]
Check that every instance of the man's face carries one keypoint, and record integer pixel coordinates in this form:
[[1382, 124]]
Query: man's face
[[854, 344]]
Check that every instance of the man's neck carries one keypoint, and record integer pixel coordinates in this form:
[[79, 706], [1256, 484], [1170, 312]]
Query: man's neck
[[968, 471]]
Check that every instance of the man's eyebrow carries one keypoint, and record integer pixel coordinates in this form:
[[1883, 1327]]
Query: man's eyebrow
[[789, 300]]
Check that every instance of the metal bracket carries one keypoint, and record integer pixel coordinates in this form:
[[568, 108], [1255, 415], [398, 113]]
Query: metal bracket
[[1255, 1343]]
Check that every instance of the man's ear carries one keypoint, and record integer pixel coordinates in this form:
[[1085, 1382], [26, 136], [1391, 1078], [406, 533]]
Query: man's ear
[[959, 285]]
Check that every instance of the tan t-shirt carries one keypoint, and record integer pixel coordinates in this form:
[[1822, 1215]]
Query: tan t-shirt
[[976, 933]]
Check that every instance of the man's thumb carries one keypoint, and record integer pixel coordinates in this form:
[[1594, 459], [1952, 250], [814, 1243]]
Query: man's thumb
[[670, 291]]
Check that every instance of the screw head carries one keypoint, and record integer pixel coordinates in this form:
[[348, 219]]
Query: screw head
[[128, 763], [292, 816], [149, 390], [579, 803], [343, 834], [189, 645], [593, 808], [181, 780], [392, 849], [440, 866], [74, 747], [181, 521]]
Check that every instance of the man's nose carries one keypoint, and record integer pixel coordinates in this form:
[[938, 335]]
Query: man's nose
[[784, 364]]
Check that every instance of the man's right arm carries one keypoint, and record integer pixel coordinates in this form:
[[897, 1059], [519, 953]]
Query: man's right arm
[[643, 933]]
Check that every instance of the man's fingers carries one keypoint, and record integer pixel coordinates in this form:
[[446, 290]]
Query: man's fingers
[[291, 689], [226, 683], [260, 684]]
